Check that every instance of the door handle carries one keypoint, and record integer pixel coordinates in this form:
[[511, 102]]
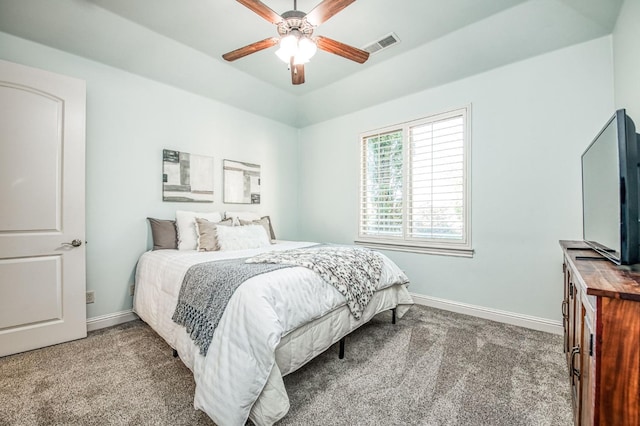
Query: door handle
[[574, 371], [74, 243]]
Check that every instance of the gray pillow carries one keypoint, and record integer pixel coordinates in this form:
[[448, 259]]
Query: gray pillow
[[272, 234], [207, 233], [164, 233]]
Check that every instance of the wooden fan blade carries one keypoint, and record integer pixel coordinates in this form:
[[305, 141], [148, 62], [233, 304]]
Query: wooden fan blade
[[297, 73], [329, 45], [326, 10], [262, 9], [252, 48]]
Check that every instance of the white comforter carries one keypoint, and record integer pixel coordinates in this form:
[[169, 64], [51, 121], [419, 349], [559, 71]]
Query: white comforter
[[241, 360]]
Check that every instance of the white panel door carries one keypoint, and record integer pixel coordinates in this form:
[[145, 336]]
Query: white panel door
[[42, 208]]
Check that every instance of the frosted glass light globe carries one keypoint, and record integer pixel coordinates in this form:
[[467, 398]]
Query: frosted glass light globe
[[306, 48]]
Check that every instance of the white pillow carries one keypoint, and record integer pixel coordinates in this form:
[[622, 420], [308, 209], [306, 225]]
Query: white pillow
[[242, 237], [249, 216], [186, 225]]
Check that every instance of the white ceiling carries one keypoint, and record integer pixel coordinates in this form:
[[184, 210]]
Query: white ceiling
[[180, 42]]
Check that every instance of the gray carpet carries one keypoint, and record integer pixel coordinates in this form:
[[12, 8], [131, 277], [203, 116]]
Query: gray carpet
[[432, 368]]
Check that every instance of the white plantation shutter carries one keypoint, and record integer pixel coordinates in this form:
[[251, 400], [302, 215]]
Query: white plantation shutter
[[436, 179], [381, 209], [414, 192]]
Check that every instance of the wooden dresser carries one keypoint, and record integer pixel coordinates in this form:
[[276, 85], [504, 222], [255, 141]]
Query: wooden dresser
[[601, 314]]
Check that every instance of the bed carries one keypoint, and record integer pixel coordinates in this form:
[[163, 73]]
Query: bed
[[273, 324]]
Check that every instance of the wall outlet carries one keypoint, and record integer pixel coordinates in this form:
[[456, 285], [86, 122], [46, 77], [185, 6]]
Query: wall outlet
[[132, 289], [91, 297]]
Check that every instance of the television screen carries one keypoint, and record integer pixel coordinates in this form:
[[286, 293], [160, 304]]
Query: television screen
[[600, 194], [610, 185]]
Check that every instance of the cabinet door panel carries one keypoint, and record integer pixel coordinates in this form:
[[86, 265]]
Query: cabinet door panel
[[565, 307], [618, 389], [574, 360], [572, 317], [587, 372]]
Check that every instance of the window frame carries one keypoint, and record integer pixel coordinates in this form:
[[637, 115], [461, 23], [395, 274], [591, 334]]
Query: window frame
[[459, 248]]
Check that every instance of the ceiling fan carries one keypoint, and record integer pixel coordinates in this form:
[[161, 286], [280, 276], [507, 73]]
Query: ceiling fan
[[295, 29]]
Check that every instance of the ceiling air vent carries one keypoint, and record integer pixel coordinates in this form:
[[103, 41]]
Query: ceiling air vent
[[385, 42]]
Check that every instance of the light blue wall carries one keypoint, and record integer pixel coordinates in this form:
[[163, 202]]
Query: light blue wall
[[626, 53], [530, 123], [130, 120]]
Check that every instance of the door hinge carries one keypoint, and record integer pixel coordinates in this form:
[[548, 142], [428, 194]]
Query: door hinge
[[591, 345], [564, 268], [570, 289]]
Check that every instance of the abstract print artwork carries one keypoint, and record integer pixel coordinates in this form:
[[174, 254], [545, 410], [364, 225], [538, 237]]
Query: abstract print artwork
[[186, 177], [241, 182]]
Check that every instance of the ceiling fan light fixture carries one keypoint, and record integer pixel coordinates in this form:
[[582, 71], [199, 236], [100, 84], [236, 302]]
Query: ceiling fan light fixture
[[284, 55], [288, 47], [289, 42], [307, 48], [298, 46]]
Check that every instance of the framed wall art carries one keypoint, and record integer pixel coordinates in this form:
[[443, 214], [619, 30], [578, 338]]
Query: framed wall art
[[241, 182], [186, 177]]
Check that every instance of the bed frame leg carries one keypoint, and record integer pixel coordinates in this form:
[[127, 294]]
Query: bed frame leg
[[341, 353], [393, 316], [175, 353]]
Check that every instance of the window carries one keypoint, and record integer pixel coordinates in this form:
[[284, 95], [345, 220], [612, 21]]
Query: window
[[414, 191]]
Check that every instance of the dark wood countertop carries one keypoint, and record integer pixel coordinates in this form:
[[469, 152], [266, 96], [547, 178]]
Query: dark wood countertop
[[600, 276]]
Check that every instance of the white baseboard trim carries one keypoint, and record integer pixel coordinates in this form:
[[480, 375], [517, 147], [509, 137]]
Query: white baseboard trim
[[506, 317], [103, 321], [535, 323]]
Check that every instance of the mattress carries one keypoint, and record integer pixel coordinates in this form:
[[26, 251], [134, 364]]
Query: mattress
[[311, 316]]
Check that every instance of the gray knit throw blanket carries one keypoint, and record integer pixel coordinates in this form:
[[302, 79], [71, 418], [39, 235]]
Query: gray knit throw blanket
[[353, 271], [206, 291]]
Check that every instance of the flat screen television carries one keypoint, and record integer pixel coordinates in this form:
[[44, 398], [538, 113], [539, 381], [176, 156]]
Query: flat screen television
[[610, 184]]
